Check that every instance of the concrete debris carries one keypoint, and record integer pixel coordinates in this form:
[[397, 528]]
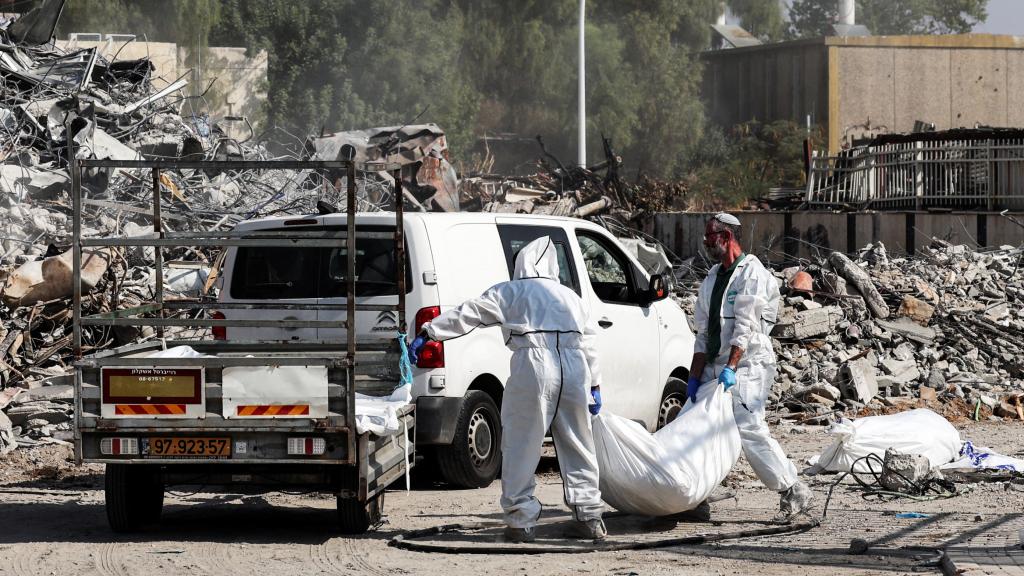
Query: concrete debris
[[905, 473], [859, 381], [810, 323], [945, 327], [8, 441], [917, 310], [53, 278]]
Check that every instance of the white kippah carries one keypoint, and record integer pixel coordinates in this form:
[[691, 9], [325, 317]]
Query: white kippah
[[727, 219]]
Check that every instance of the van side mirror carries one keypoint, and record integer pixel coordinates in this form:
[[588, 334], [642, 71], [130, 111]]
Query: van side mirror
[[657, 289]]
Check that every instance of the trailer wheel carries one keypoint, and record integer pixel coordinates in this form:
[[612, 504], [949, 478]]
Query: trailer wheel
[[355, 517], [134, 496], [672, 401], [474, 457]]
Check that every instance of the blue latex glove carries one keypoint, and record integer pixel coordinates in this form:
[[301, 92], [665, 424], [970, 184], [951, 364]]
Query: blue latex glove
[[727, 378], [692, 385], [414, 349], [595, 408]]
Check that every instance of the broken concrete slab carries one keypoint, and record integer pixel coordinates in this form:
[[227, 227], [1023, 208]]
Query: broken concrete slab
[[809, 323], [927, 394], [860, 381], [904, 473], [861, 281], [917, 310], [8, 440], [52, 278], [909, 329]]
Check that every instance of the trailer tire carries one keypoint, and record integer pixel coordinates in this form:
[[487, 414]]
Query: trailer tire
[[134, 496], [473, 459], [355, 517]]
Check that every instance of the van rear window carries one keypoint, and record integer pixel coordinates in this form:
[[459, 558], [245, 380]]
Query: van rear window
[[279, 273]]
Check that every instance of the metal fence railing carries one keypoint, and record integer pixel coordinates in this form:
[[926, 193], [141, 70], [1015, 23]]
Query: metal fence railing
[[975, 174]]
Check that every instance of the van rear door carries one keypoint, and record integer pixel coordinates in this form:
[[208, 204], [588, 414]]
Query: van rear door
[[376, 284], [276, 274]]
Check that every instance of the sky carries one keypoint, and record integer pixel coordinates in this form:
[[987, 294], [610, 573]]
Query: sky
[[1004, 17]]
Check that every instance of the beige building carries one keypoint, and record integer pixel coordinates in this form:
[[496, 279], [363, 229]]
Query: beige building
[[857, 87]]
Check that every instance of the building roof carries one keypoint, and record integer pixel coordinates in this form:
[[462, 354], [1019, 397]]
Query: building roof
[[962, 41]]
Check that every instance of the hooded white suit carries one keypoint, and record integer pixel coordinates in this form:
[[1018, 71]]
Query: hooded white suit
[[749, 308], [554, 365]]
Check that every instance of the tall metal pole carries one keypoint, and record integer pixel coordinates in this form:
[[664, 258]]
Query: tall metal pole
[[582, 156], [847, 12]]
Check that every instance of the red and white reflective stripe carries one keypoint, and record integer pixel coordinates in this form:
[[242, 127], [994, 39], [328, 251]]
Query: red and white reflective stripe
[[306, 446], [256, 410], [149, 409]]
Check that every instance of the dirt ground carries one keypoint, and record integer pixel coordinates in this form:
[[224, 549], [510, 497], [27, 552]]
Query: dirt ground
[[52, 522]]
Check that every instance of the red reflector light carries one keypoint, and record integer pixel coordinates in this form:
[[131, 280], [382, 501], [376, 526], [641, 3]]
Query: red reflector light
[[432, 354], [219, 332], [306, 446]]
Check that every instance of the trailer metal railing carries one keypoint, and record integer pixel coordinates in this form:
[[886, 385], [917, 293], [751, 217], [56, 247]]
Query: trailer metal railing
[[156, 312]]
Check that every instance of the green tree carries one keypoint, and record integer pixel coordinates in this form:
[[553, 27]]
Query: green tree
[[810, 18], [762, 18]]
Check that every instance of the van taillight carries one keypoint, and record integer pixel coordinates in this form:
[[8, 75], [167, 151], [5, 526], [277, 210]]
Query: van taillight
[[432, 354], [219, 332]]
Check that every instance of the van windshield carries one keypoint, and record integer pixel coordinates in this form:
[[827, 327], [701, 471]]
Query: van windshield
[[279, 273]]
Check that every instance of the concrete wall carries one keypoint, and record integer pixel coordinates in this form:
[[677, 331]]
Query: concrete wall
[[891, 87], [787, 82], [240, 81], [778, 236]]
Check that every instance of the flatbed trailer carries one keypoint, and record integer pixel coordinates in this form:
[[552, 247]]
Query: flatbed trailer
[[263, 415]]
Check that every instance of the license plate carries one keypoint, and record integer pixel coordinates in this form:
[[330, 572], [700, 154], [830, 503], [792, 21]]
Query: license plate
[[176, 447]]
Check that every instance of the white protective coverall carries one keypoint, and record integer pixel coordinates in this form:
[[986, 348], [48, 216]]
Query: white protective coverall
[[554, 365], [749, 309]]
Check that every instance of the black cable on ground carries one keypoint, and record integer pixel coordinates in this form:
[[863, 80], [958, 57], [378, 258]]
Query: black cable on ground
[[406, 541], [931, 489]]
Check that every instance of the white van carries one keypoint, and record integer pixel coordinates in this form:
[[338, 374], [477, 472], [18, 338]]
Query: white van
[[645, 345]]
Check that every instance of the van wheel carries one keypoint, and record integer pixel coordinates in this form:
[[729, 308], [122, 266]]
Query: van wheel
[[672, 401], [474, 456], [134, 496], [355, 517]]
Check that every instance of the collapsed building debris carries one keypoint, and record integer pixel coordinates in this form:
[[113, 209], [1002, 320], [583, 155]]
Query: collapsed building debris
[[946, 326]]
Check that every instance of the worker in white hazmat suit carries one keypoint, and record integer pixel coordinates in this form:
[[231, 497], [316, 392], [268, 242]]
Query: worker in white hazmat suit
[[736, 309], [554, 377]]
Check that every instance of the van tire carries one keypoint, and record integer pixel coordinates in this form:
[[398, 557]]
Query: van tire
[[355, 517], [134, 496], [672, 401], [474, 457]]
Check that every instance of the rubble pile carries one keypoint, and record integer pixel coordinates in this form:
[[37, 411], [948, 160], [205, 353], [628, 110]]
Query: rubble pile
[[35, 417], [946, 327], [63, 104], [560, 190]]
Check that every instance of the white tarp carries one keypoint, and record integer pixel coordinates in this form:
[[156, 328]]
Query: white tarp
[[178, 352], [379, 414], [245, 386], [674, 469], [915, 432]]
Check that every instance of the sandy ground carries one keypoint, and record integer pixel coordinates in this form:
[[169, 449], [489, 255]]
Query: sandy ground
[[52, 522]]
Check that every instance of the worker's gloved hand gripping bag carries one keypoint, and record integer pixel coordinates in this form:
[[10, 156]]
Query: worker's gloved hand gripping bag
[[677, 467]]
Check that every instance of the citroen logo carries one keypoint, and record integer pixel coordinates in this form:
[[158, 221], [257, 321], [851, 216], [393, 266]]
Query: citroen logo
[[386, 321]]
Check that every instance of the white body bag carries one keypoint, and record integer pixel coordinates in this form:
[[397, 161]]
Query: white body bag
[[674, 469]]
